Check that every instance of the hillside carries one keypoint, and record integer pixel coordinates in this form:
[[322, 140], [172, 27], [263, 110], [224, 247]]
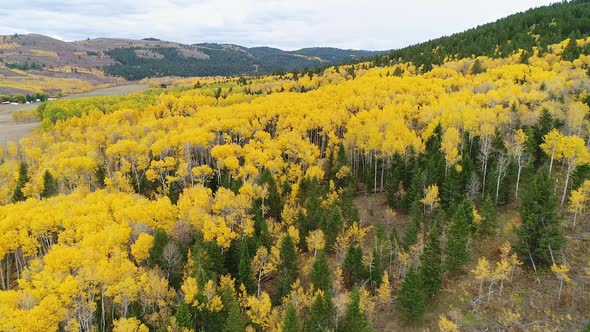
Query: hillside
[[534, 29], [150, 57], [348, 200], [410, 193]]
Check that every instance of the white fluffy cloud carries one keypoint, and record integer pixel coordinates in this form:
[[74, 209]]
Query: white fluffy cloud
[[287, 24]]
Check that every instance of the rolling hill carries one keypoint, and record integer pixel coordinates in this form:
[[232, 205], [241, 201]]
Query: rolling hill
[[533, 30], [151, 57]]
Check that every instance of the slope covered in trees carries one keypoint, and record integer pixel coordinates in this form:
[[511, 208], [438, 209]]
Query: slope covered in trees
[[229, 205], [537, 28], [223, 60]]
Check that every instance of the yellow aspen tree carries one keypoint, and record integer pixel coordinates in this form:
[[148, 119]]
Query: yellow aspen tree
[[142, 246], [501, 272], [129, 325], [451, 140], [578, 200], [517, 149], [549, 146], [561, 274], [431, 198], [573, 150], [263, 265], [482, 273], [384, 290], [315, 241], [258, 309], [446, 325], [487, 133]]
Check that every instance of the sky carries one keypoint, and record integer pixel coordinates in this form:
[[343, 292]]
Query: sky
[[286, 24]]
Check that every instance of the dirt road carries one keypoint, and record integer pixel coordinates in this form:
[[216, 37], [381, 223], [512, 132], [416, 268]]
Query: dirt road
[[12, 131]]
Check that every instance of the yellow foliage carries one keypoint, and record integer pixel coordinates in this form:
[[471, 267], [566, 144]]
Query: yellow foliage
[[142, 246], [258, 309], [445, 325], [129, 325]]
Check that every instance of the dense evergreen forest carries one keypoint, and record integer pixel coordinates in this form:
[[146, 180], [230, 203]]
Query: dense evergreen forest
[[224, 61]]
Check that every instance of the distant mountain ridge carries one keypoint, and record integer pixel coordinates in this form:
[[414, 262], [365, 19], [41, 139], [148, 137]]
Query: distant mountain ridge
[[152, 57]]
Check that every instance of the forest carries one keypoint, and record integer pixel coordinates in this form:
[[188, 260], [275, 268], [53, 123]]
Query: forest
[[372, 196], [224, 60], [534, 30]]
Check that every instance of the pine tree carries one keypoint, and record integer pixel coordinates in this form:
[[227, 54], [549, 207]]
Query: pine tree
[[489, 224], [288, 268], [183, 316], [245, 274], [410, 300], [320, 275], [319, 318], [477, 67], [291, 320], [23, 178], [273, 201], [458, 237], [452, 189], [50, 186], [353, 264], [571, 50], [544, 126], [540, 234], [377, 268], [431, 265], [355, 319], [235, 321], [331, 225], [412, 229]]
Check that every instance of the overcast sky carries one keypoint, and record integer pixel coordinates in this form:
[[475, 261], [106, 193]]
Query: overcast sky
[[287, 24]]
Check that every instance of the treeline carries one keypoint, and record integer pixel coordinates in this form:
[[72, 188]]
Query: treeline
[[538, 27], [21, 99], [24, 66]]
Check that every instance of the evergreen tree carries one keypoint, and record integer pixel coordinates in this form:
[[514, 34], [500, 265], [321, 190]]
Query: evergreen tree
[[320, 275], [431, 265], [355, 319], [477, 68], [456, 250], [291, 320], [571, 51], [319, 318], [377, 268], [183, 316], [273, 201], [332, 225], [410, 300], [174, 191], [412, 229], [353, 264], [288, 268], [544, 125], [23, 178], [50, 186], [235, 321], [160, 241], [452, 189], [489, 224], [208, 254], [540, 234], [245, 274], [260, 225]]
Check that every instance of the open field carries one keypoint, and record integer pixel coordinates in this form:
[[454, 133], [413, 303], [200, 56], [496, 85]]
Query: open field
[[11, 131]]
